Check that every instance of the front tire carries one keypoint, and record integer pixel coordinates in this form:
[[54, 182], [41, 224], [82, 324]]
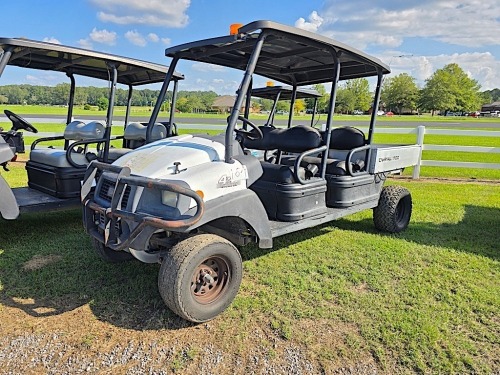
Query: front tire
[[108, 255], [394, 208], [200, 276]]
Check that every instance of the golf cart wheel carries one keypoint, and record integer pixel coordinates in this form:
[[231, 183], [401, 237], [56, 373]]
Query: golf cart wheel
[[393, 212], [109, 255], [200, 276]]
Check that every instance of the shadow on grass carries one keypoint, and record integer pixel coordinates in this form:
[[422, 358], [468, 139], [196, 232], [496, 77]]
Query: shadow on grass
[[48, 266], [477, 233]]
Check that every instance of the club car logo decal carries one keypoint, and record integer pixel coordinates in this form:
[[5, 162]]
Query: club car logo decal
[[388, 158], [233, 178]]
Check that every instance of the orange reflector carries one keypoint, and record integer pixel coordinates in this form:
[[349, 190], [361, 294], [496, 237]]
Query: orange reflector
[[269, 83], [233, 29], [200, 194]]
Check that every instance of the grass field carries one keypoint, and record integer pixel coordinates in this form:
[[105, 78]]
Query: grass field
[[339, 296], [146, 111]]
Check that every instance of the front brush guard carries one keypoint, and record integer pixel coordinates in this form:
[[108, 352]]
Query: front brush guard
[[113, 213]]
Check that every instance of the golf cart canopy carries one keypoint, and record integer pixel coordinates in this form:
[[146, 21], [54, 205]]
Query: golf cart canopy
[[285, 93], [33, 54], [289, 55]]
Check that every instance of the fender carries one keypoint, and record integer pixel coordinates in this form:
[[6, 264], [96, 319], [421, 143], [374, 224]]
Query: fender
[[244, 204], [8, 204]]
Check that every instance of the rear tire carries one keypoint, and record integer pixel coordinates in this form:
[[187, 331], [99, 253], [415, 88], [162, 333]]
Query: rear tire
[[109, 255], [394, 208], [200, 276]]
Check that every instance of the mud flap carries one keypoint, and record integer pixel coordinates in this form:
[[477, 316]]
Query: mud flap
[[8, 204]]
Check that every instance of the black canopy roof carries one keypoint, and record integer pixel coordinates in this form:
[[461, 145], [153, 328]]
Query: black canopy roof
[[289, 55], [270, 92], [55, 57]]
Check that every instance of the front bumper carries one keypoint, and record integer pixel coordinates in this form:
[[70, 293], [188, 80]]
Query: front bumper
[[144, 224]]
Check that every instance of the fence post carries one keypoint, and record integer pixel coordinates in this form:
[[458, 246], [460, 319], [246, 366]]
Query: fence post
[[420, 142]]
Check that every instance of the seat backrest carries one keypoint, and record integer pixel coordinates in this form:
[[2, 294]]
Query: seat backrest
[[135, 131], [346, 138], [343, 140], [79, 131], [298, 139]]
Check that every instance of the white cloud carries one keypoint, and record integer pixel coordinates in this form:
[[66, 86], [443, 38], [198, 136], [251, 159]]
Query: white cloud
[[136, 38], [166, 41], [45, 79], [202, 67], [103, 36], [51, 40], [481, 66], [314, 23], [435, 27], [469, 23], [153, 37], [220, 86], [85, 43], [170, 13]]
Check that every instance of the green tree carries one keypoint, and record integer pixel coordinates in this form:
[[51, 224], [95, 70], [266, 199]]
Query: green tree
[[400, 92], [102, 103], [352, 95], [323, 101], [450, 89], [183, 105], [265, 104], [60, 94]]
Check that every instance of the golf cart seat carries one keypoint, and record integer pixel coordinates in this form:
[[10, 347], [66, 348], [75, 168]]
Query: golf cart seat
[[74, 131], [59, 172], [135, 136], [342, 141], [290, 192], [297, 140]]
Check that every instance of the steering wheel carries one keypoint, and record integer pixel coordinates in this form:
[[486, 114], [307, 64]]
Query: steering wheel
[[19, 123], [245, 133]]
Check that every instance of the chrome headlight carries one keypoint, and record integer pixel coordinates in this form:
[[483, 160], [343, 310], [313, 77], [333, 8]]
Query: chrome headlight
[[169, 198]]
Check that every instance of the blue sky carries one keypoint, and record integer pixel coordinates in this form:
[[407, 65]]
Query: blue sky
[[416, 37]]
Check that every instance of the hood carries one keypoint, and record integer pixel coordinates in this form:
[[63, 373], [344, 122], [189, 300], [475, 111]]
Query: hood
[[156, 160]]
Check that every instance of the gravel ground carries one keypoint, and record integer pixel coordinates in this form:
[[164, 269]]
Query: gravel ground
[[51, 354]]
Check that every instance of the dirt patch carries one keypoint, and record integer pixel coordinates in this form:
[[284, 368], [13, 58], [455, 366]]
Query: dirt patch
[[446, 180], [40, 261]]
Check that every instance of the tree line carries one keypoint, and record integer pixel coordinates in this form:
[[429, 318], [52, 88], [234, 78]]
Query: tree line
[[448, 89], [187, 101]]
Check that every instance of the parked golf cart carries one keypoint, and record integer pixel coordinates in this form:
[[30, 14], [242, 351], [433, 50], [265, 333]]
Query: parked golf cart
[[188, 201], [55, 174], [277, 93]]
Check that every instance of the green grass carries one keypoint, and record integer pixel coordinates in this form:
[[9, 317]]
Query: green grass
[[146, 111], [426, 300]]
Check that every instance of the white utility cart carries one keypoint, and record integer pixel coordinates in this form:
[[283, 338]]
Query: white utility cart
[[187, 202]]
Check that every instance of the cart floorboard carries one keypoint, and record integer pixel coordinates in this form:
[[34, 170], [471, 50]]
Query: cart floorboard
[[30, 200], [280, 228]]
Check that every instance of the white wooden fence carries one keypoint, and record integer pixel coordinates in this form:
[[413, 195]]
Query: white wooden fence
[[421, 131]]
